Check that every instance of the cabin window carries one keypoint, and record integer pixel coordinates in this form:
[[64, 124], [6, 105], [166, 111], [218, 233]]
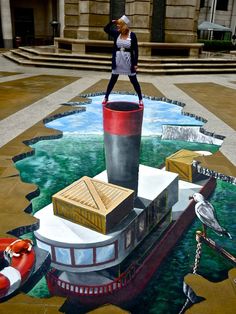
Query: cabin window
[[44, 246], [83, 256], [165, 222], [222, 5], [129, 238], [152, 215], [162, 201], [105, 253], [141, 226], [160, 206], [63, 255]]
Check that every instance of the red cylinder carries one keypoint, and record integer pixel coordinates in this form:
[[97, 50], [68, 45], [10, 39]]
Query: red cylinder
[[122, 118], [122, 123]]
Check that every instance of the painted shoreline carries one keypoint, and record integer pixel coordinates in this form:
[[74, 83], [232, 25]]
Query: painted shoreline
[[25, 152]]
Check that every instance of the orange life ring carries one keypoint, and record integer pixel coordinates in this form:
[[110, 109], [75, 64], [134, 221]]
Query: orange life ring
[[19, 258]]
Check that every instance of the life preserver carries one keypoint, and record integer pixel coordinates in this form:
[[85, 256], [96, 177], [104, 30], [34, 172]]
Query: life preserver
[[19, 264]]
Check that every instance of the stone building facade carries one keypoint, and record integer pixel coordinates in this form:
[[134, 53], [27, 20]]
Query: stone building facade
[[221, 12], [151, 20], [30, 21], [37, 22]]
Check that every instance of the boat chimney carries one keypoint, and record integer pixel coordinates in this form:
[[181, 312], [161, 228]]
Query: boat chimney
[[122, 123]]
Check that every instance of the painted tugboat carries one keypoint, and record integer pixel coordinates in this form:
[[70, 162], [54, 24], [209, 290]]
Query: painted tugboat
[[108, 235]]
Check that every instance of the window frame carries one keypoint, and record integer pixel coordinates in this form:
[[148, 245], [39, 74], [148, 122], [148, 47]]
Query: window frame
[[222, 5], [131, 231]]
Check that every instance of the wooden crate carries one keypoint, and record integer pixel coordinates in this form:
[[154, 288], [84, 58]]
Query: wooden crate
[[181, 162], [94, 204]]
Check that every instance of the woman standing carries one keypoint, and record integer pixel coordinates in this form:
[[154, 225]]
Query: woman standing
[[124, 55]]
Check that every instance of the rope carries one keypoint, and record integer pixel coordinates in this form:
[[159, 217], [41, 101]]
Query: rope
[[184, 306], [197, 257], [196, 264]]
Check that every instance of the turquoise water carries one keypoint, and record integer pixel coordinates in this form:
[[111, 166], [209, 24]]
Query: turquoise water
[[57, 163], [164, 293]]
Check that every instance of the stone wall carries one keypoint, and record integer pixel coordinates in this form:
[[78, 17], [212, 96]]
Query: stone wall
[[225, 18], [181, 20], [139, 13], [71, 18], [85, 19]]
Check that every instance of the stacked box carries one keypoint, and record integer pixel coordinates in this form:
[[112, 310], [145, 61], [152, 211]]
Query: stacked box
[[181, 162], [93, 204]]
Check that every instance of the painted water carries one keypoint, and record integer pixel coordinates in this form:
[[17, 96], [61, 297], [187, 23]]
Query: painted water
[[57, 163]]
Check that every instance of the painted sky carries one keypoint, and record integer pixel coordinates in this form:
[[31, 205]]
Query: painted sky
[[156, 113]]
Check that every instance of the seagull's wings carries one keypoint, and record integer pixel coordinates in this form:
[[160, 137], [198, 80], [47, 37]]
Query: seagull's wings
[[206, 213]]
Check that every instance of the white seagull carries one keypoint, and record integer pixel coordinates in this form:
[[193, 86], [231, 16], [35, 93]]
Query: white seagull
[[207, 215]]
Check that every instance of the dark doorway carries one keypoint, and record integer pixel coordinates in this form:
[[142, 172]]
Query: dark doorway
[[117, 9], [24, 25], [158, 20], [222, 5]]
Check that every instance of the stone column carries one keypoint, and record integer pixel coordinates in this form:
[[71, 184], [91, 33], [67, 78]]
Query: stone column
[[93, 15], [6, 23], [181, 21], [84, 19], [139, 12], [61, 17], [72, 17]]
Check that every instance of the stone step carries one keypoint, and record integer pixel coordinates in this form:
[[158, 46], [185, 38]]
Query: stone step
[[24, 61], [63, 53], [31, 57], [69, 55], [24, 57], [25, 54]]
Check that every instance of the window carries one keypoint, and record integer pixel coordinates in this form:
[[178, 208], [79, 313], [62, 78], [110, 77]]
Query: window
[[202, 3], [222, 5], [83, 256], [44, 246], [63, 255], [141, 226], [129, 238], [105, 253], [152, 214]]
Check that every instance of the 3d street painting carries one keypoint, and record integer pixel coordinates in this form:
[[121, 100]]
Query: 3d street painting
[[58, 163]]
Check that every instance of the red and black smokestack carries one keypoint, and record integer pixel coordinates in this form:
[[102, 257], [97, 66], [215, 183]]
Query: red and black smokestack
[[122, 123]]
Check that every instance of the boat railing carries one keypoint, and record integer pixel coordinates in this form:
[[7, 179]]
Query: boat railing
[[70, 288]]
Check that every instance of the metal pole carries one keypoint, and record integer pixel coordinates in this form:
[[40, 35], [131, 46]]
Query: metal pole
[[214, 11], [211, 12], [216, 247]]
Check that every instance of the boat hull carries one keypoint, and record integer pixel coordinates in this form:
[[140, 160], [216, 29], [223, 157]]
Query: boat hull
[[125, 294]]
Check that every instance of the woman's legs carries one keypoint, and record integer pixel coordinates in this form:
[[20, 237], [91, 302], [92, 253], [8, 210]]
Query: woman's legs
[[111, 84], [134, 81]]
